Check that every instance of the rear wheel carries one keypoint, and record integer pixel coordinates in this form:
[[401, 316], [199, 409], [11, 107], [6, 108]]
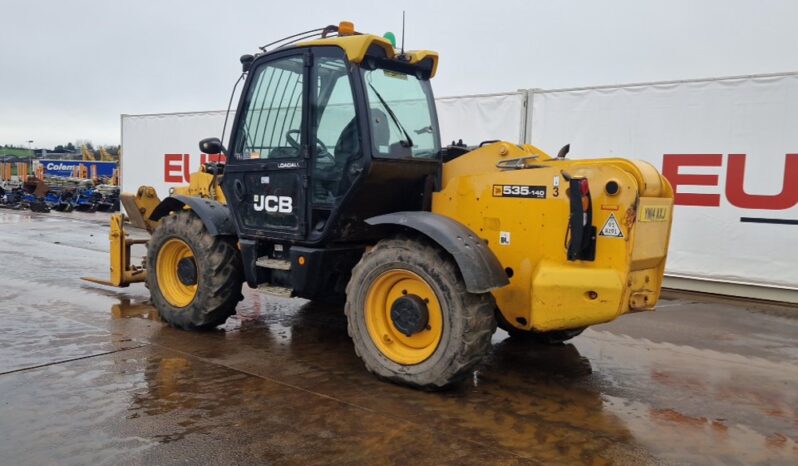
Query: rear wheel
[[411, 318], [553, 337], [194, 278]]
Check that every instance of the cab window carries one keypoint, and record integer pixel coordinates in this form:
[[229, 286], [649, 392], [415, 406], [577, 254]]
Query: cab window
[[335, 127], [271, 128], [401, 114]]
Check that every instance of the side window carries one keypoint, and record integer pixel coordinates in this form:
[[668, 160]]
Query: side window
[[337, 114], [336, 129], [401, 113], [273, 120]]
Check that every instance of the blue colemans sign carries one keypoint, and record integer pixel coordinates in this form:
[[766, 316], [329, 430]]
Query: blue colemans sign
[[67, 167]]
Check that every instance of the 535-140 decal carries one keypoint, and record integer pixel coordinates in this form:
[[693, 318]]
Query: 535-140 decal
[[519, 190]]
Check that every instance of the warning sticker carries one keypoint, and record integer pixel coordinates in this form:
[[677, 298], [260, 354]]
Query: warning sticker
[[611, 228], [504, 238]]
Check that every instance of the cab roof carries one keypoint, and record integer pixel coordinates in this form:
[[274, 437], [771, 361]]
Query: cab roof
[[356, 46]]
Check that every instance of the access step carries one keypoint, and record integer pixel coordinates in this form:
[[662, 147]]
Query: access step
[[280, 291], [275, 264]]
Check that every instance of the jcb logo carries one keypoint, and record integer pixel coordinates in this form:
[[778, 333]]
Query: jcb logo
[[282, 204]]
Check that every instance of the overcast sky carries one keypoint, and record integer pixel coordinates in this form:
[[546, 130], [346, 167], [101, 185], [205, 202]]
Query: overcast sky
[[68, 69]]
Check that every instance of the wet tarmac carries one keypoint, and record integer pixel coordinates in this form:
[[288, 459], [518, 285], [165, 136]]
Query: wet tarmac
[[88, 375]]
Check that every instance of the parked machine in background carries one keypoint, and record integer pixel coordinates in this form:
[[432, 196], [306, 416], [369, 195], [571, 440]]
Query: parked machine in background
[[59, 194], [336, 186]]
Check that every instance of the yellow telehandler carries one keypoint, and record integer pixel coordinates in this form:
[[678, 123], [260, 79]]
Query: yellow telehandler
[[336, 186]]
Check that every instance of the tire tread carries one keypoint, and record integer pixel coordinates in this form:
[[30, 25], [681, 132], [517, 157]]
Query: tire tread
[[477, 314], [222, 274]]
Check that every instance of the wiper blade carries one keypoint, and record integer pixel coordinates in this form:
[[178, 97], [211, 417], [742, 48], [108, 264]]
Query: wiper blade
[[409, 141]]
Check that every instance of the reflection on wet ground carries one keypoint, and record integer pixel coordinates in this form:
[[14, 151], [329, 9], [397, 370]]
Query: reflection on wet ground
[[126, 309], [90, 375]]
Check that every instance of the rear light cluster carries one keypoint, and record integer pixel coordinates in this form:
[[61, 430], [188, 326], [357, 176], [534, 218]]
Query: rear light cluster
[[584, 190], [581, 237], [584, 187]]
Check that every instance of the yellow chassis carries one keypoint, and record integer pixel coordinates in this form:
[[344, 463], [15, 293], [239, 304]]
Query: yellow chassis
[[546, 291]]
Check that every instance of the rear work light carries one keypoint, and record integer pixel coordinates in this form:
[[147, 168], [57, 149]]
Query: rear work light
[[581, 236]]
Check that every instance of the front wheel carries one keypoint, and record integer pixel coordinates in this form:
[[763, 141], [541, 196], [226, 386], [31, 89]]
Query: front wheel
[[194, 278], [411, 318]]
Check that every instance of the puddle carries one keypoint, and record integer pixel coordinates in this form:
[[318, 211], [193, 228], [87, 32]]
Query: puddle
[[93, 376], [126, 309]]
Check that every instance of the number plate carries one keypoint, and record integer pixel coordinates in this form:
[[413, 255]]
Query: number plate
[[654, 213], [517, 190]]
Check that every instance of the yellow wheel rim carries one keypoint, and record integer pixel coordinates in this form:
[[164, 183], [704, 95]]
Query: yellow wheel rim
[[172, 288], [396, 346]]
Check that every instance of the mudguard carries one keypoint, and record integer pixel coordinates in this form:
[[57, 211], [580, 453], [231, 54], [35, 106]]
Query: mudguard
[[480, 268], [214, 215]]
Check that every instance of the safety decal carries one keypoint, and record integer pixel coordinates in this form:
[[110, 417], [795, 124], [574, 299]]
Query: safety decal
[[611, 228], [394, 74], [504, 238], [517, 190]]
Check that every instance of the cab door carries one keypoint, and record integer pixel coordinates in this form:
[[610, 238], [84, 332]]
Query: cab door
[[265, 179]]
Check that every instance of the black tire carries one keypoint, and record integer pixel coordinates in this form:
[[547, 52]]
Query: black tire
[[468, 319], [219, 273], [553, 337]]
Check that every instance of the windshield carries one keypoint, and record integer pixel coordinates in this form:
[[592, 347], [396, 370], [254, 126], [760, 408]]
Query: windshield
[[401, 108]]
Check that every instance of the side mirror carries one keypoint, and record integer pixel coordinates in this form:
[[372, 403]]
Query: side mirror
[[211, 146], [246, 62]]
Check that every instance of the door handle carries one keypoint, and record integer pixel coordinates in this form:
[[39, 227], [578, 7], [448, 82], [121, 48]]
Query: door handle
[[238, 189]]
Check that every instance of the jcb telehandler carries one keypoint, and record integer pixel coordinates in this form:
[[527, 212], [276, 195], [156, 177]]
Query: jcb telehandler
[[336, 185]]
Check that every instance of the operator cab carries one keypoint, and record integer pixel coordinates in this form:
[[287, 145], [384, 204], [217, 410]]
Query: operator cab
[[321, 121]]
